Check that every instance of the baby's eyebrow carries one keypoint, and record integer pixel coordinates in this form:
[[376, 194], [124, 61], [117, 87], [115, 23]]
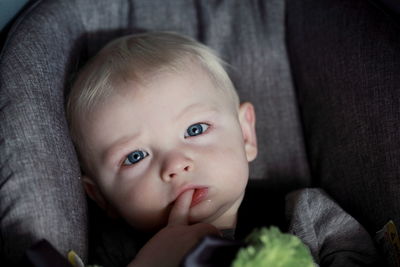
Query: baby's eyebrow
[[112, 153], [196, 107]]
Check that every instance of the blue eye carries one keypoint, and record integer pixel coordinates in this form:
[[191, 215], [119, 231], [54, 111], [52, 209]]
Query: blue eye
[[135, 157], [196, 129]]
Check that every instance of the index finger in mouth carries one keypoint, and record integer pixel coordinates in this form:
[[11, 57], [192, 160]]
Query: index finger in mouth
[[180, 210]]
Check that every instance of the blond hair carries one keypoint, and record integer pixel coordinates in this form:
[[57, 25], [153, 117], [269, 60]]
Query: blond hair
[[133, 58]]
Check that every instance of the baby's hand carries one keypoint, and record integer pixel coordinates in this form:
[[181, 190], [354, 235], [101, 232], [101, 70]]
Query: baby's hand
[[172, 243]]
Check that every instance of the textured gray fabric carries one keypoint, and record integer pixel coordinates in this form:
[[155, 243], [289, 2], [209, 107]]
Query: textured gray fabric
[[349, 97], [40, 193], [333, 236]]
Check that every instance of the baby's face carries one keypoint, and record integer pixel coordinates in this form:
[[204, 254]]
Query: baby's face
[[149, 143]]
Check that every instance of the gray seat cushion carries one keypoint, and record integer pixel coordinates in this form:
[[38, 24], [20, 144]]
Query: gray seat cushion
[[40, 191], [346, 65]]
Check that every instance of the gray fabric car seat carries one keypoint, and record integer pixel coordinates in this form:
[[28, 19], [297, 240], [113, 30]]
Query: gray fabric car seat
[[41, 195], [345, 61], [333, 109]]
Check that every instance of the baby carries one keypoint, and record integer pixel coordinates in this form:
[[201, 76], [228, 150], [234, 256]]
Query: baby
[[162, 140], [164, 143]]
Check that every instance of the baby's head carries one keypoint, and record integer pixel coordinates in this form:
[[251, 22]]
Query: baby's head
[[154, 115]]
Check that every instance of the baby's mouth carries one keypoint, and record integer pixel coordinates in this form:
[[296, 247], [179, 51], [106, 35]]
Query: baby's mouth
[[199, 195]]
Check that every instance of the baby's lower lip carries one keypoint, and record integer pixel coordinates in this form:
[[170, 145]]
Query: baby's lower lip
[[199, 195]]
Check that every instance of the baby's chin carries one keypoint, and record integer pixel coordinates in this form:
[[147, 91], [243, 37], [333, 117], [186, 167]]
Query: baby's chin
[[221, 218]]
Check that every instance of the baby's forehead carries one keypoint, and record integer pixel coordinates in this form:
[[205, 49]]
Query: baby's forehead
[[192, 73], [169, 91]]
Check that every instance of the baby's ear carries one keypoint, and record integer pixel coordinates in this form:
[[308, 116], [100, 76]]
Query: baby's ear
[[247, 119], [95, 194]]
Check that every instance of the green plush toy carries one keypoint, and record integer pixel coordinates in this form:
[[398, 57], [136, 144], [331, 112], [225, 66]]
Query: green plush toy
[[271, 247]]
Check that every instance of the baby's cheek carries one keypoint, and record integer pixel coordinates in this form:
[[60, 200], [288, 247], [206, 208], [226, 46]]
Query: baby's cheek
[[141, 215], [142, 208], [231, 163], [233, 151]]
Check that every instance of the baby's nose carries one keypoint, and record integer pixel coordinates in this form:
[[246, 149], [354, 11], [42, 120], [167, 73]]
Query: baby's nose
[[176, 166]]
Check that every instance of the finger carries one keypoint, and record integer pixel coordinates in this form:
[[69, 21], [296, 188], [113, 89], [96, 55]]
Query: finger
[[180, 211]]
